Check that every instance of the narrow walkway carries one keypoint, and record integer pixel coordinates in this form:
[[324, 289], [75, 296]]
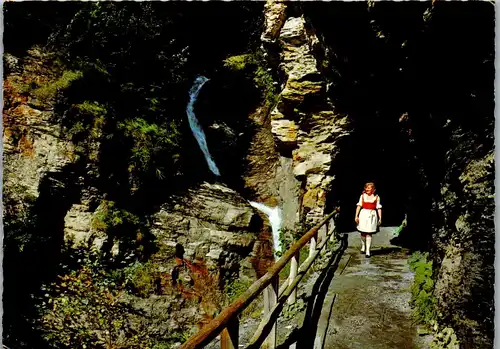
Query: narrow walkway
[[371, 307]]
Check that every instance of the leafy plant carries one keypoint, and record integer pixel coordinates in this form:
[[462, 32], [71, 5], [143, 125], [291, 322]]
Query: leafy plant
[[83, 309], [108, 216], [304, 253], [258, 71], [141, 277], [149, 142], [422, 299], [234, 289], [118, 223], [240, 62], [48, 91], [83, 124]]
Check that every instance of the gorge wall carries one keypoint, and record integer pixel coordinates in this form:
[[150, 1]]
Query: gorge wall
[[413, 131]]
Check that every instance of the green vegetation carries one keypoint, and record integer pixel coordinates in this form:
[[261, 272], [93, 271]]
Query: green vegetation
[[240, 62], [422, 299], [118, 223], [257, 69], [91, 307], [108, 216], [304, 253], [49, 91], [86, 127], [148, 142], [288, 237], [141, 278], [445, 339], [83, 309], [234, 289], [44, 76]]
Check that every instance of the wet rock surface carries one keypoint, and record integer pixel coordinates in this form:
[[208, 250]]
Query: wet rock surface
[[371, 309]]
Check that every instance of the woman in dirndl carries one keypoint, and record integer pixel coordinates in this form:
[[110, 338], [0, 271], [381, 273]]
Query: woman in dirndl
[[368, 216]]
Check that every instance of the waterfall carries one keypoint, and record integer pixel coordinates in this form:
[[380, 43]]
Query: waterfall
[[274, 215], [195, 125]]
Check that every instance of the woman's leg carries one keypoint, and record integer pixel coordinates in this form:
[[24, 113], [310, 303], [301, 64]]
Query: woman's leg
[[363, 238], [368, 243]]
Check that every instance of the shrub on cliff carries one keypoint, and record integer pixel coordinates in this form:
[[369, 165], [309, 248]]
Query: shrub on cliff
[[84, 311], [257, 69], [422, 299], [90, 307], [149, 142], [124, 226]]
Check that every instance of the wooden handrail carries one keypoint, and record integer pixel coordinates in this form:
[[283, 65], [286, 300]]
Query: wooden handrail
[[260, 333], [221, 321]]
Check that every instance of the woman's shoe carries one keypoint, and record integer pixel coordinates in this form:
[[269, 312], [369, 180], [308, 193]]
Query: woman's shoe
[[367, 256]]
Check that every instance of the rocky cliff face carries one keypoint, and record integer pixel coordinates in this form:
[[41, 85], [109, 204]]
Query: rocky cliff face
[[33, 145], [49, 191], [304, 123], [212, 223], [463, 242], [459, 221]]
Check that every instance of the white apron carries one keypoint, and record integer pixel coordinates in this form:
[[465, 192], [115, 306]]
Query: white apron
[[368, 219]]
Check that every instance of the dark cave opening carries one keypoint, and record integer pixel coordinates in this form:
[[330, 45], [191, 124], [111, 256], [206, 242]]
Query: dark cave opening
[[368, 157]]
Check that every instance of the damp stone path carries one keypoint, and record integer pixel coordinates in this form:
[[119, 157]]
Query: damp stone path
[[371, 308]]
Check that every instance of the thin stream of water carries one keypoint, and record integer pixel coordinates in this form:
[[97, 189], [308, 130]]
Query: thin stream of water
[[274, 215], [195, 125]]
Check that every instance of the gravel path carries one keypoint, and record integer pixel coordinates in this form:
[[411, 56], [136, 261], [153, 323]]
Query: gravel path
[[371, 307]]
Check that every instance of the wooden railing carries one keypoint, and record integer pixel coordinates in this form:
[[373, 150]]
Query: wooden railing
[[227, 323]]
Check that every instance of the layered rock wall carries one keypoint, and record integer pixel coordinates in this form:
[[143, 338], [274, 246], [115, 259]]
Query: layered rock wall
[[304, 122], [212, 223]]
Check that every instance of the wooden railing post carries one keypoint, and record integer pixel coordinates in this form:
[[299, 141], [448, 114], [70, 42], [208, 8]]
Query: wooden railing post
[[294, 267], [230, 335], [322, 233], [312, 244], [331, 228], [272, 300]]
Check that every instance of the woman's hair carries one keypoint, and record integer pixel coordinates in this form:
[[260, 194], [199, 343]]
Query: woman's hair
[[368, 185]]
